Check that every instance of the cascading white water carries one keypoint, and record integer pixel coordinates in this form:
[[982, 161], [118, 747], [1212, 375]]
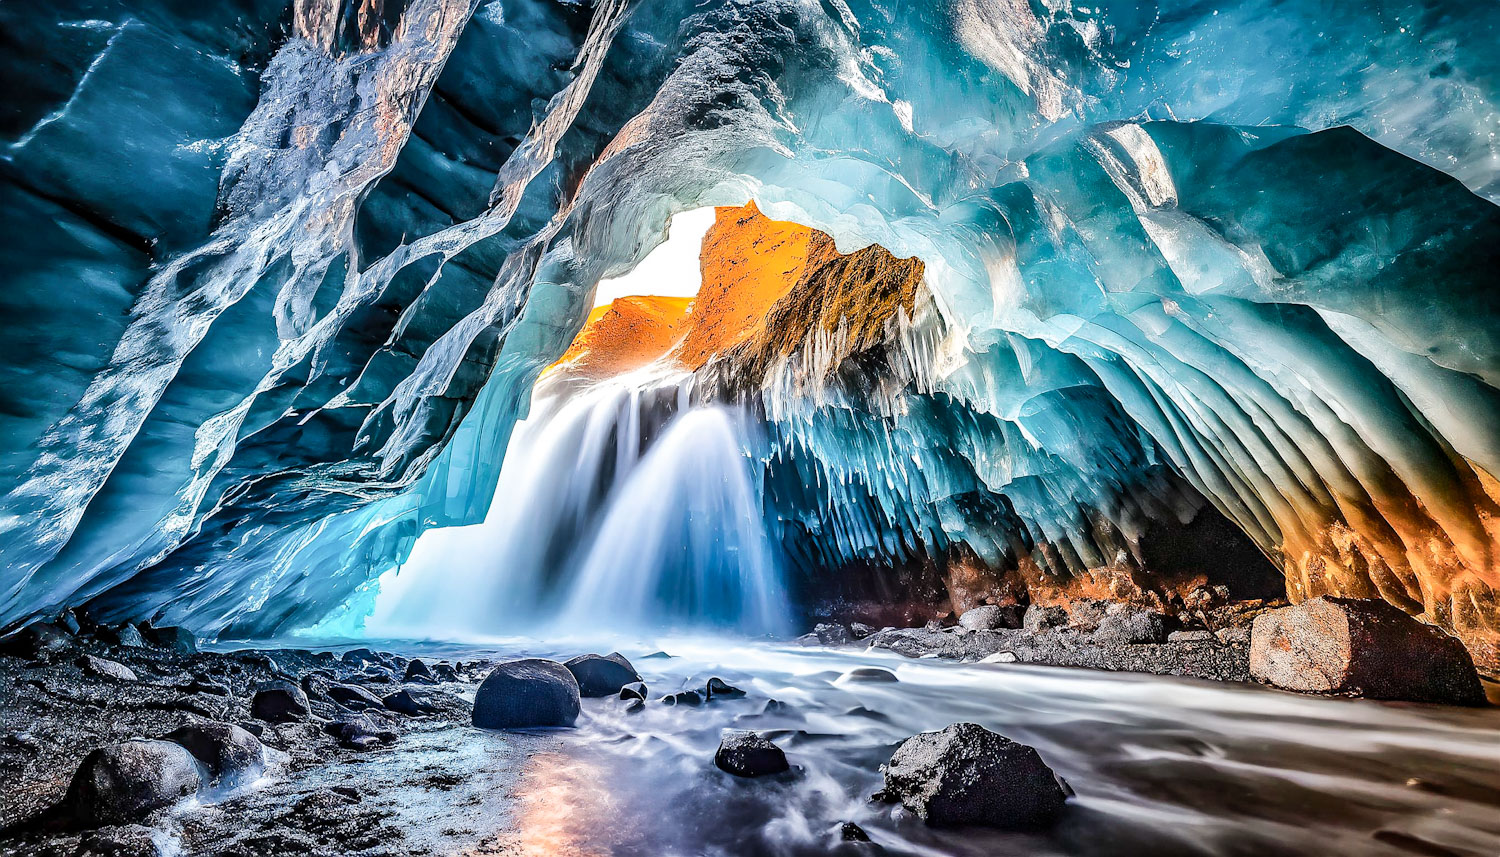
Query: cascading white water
[[619, 508]]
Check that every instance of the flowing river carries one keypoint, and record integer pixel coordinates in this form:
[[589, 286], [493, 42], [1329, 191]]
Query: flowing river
[[1161, 766]]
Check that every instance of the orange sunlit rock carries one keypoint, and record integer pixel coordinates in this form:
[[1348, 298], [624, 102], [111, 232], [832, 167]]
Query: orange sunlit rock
[[625, 335]]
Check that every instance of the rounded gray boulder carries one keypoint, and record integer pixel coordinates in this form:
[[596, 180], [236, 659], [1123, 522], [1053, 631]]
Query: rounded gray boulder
[[601, 675], [126, 781], [967, 775], [527, 693], [229, 753]]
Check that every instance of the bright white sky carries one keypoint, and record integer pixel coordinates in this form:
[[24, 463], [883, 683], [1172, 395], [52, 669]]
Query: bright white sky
[[671, 269]]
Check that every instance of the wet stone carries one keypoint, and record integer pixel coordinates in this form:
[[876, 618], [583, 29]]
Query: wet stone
[[747, 754]]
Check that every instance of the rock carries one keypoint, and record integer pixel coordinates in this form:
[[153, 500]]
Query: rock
[[126, 781], [1193, 636], [999, 658], [1086, 614], [686, 697], [177, 639], [445, 672], [254, 727], [851, 832], [363, 731], [1124, 624], [991, 617], [353, 698], [39, 641], [1366, 648], [316, 686], [746, 754], [717, 688], [408, 703], [1235, 635], [634, 690], [830, 634], [968, 775], [125, 636], [203, 683], [868, 674], [230, 753], [808, 640], [418, 671], [601, 675], [1044, 618], [634, 704], [359, 657], [860, 630], [279, 701], [106, 669], [68, 621], [527, 693]]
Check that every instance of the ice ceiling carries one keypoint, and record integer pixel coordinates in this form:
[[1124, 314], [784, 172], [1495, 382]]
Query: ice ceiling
[[279, 278]]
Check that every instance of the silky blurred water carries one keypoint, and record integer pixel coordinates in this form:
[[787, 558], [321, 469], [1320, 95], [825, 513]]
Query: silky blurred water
[[1161, 766]]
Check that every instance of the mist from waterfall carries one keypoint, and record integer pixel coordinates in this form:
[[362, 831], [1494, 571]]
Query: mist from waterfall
[[620, 509]]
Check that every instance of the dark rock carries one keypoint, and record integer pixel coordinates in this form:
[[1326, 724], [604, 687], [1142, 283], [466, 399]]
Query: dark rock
[[717, 688], [316, 686], [860, 630], [635, 704], [126, 781], [851, 832], [1044, 618], [601, 675], [203, 683], [353, 698], [830, 634], [868, 674], [279, 701], [39, 641], [686, 697], [992, 617], [446, 672], [409, 703], [254, 727], [1124, 624], [358, 657], [105, 669], [363, 731], [634, 690], [125, 636], [68, 621], [746, 754], [526, 693], [177, 639], [1366, 648], [418, 671], [230, 753], [968, 775]]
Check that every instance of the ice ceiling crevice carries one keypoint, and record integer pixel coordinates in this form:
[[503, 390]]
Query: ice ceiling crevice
[[281, 276]]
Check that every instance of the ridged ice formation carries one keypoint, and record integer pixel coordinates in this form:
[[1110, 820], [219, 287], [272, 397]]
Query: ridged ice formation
[[280, 277]]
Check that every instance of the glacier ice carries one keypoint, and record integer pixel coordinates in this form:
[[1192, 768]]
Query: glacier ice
[[281, 277]]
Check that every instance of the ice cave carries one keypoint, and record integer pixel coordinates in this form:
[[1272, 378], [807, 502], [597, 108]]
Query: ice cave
[[726, 428]]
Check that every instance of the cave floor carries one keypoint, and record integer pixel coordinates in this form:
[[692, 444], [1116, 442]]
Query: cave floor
[[1161, 766]]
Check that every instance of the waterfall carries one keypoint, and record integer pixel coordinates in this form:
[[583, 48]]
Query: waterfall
[[621, 507]]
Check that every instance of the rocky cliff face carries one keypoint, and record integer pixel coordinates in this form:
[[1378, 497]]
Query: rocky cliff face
[[281, 277]]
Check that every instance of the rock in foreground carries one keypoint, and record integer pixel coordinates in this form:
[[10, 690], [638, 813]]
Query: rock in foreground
[[228, 752], [968, 775], [279, 701], [601, 675], [527, 693], [126, 781], [746, 754], [1366, 648]]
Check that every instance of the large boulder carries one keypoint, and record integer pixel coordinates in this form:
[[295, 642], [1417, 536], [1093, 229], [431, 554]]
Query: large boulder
[[41, 641], [418, 672], [126, 781], [601, 675], [991, 617], [746, 754], [363, 731], [279, 701], [1358, 647], [527, 693], [228, 752], [967, 775]]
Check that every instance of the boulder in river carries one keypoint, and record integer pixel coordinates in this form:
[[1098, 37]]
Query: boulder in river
[[601, 675], [718, 688], [634, 690], [229, 753], [526, 693], [967, 775], [279, 701], [126, 781], [747, 754], [1358, 647]]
